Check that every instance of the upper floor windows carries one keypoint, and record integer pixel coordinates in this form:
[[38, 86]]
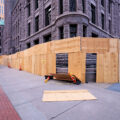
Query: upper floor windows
[[102, 3], [48, 15], [61, 6], [73, 30], [109, 6], [93, 14], [103, 20], [29, 29], [28, 8], [83, 6], [110, 26], [73, 5], [37, 23], [36, 4]]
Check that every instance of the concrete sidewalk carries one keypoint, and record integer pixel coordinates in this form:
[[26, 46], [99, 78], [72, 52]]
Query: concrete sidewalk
[[25, 92]]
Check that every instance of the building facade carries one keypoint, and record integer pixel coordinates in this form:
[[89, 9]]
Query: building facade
[[1, 36], [31, 22]]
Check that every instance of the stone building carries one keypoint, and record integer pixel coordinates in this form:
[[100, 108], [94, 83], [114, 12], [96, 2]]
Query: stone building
[[1, 36], [31, 22]]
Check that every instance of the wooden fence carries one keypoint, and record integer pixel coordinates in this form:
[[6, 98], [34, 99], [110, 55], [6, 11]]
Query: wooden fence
[[41, 59]]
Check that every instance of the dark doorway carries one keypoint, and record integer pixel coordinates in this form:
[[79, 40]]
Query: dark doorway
[[62, 63], [91, 67]]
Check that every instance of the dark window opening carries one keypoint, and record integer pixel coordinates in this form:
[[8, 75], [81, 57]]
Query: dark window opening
[[36, 42], [109, 6], [47, 38], [102, 3], [94, 35], [36, 23], [83, 5], [103, 21], [28, 45], [0, 50], [84, 30], [61, 32], [110, 28], [73, 30], [62, 63], [28, 8], [48, 15], [61, 6], [29, 29], [72, 4], [91, 59], [36, 4], [93, 14]]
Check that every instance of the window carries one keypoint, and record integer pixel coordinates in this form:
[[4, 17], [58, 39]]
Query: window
[[73, 30], [36, 4], [72, 4], [94, 35], [93, 14], [110, 28], [36, 42], [36, 23], [29, 29], [61, 6], [28, 45], [0, 50], [83, 5], [47, 38], [102, 3], [84, 30], [61, 32], [102, 20], [47, 15], [28, 7], [109, 6]]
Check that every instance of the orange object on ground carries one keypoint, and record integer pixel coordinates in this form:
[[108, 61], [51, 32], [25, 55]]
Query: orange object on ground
[[64, 77], [9, 65], [20, 69], [48, 78]]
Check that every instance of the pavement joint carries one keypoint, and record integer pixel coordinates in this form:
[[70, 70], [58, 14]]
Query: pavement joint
[[52, 118]]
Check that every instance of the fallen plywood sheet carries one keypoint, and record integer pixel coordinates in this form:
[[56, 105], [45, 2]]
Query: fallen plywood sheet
[[67, 95]]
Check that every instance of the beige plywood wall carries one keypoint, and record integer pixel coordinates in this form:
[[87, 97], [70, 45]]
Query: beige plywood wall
[[77, 65], [107, 68], [41, 59]]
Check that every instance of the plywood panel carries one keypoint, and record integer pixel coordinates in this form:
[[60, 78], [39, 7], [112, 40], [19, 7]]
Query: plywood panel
[[66, 46], [67, 95], [51, 63], [41, 59], [113, 45], [77, 65], [110, 67], [94, 45], [100, 68]]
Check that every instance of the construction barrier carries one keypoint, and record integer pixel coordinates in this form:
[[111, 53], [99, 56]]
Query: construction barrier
[[41, 59]]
